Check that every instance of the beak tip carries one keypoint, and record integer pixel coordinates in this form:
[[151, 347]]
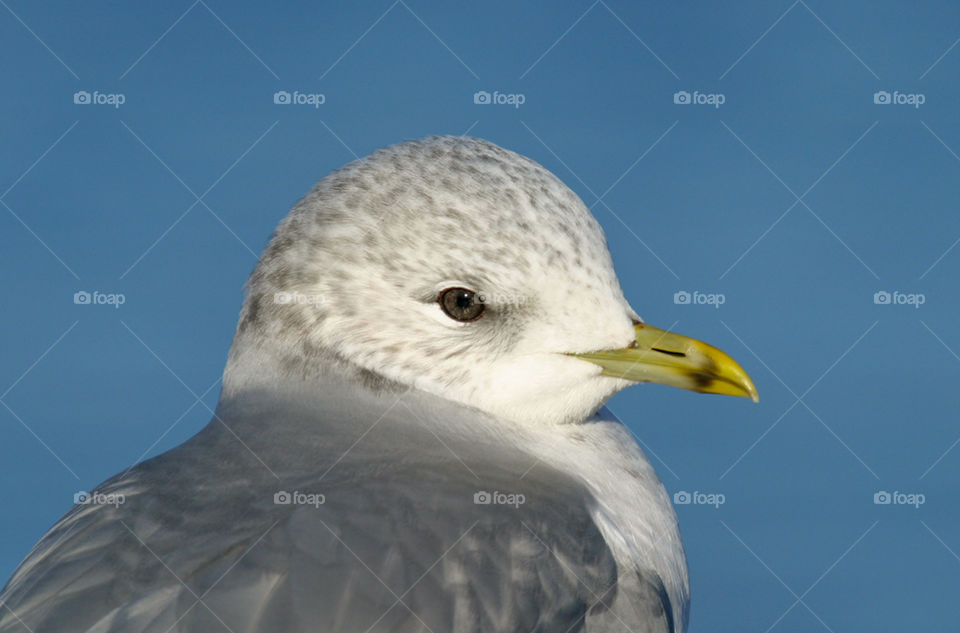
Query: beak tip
[[750, 390]]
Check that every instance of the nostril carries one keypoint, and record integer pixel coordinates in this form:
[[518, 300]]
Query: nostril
[[668, 352]]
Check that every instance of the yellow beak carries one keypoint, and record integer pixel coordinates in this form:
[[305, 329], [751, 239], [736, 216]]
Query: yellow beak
[[670, 359]]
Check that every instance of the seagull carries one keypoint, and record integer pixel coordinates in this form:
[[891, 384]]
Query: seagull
[[410, 435]]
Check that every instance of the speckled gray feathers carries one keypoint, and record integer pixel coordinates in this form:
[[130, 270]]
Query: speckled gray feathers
[[374, 237]]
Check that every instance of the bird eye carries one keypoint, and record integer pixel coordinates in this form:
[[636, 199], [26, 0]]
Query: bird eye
[[461, 304]]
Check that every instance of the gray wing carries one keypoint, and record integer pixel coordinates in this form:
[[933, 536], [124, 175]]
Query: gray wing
[[405, 555], [392, 545]]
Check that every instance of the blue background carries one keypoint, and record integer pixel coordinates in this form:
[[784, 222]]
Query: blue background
[[857, 397]]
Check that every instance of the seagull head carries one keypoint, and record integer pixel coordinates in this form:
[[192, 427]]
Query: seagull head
[[457, 267]]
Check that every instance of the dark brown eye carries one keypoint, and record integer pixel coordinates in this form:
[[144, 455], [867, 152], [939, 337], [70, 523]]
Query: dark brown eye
[[461, 304]]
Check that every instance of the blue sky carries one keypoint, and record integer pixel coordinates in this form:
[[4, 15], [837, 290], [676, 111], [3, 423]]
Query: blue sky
[[829, 173]]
